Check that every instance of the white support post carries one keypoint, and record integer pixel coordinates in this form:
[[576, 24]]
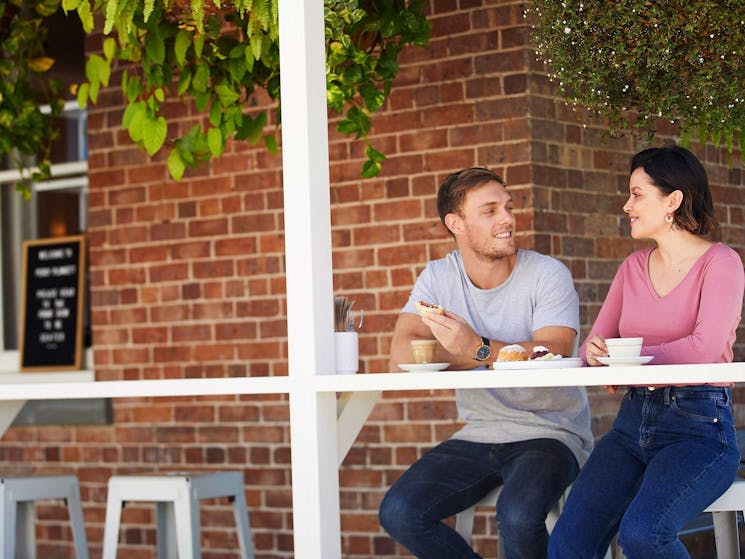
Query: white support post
[[315, 478], [8, 412]]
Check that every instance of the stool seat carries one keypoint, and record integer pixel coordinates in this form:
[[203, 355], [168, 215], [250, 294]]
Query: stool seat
[[724, 515], [177, 496], [17, 512]]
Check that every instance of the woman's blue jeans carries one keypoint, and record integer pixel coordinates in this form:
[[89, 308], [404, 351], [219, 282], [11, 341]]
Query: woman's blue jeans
[[671, 452], [456, 474]]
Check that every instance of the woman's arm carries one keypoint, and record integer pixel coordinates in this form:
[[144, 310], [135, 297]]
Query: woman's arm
[[606, 323]]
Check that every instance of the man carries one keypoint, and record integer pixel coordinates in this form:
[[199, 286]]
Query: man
[[530, 440]]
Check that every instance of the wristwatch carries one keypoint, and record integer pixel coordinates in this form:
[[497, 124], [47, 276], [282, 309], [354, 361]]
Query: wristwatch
[[483, 352]]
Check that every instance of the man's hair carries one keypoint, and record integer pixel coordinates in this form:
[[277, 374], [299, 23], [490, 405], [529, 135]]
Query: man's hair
[[675, 168], [454, 188]]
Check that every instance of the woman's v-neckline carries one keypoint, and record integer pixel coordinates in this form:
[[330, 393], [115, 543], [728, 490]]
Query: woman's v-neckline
[[648, 274]]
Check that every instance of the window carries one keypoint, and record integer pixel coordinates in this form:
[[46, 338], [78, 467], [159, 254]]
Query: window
[[58, 207]]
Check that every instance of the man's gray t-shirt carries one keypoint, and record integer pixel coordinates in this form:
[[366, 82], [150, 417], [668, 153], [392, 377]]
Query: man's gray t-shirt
[[538, 293]]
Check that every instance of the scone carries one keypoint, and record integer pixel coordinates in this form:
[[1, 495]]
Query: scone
[[426, 308], [513, 352]]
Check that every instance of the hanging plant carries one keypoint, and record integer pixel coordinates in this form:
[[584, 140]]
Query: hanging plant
[[26, 134], [634, 61], [214, 53], [218, 55]]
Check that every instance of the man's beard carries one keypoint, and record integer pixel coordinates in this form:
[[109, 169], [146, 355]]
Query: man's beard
[[493, 255], [486, 252]]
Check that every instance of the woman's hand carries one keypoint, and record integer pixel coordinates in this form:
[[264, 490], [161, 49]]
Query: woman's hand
[[596, 348]]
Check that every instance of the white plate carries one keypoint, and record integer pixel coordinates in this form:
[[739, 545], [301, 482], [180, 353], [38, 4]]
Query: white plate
[[625, 361], [565, 363], [411, 367]]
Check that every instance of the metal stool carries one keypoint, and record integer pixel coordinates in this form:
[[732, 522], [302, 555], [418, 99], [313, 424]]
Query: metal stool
[[17, 512], [724, 513], [177, 496]]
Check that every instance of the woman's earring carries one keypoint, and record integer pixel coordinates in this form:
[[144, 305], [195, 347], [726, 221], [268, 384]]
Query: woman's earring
[[669, 218]]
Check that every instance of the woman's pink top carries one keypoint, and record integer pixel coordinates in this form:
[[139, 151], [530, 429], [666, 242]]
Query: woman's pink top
[[696, 322]]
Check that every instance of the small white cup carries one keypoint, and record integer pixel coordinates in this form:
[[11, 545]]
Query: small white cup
[[347, 352], [624, 347]]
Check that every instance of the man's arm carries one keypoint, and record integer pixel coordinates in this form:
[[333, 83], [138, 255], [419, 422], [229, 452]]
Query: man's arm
[[558, 339], [460, 341], [409, 327]]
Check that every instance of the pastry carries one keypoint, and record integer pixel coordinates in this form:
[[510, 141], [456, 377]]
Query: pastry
[[426, 308], [513, 352]]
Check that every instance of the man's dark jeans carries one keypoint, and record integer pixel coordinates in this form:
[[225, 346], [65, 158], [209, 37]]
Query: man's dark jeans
[[456, 474]]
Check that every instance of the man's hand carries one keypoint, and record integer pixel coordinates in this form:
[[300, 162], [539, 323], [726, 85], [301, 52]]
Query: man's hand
[[447, 329], [455, 335]]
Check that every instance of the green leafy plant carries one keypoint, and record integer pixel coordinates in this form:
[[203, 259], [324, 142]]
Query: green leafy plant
[[214, 53], [634, 61], [26, 132], [218, 55]]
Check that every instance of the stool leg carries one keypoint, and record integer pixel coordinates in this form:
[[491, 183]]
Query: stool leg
[[111, 528], [166, 531], [7, 526], [240, 510], [725, 534], [464, 523], [26, 530], [186, 509], [75, 510]]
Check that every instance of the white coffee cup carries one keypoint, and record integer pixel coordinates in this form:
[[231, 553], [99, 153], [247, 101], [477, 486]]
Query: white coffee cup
[[624, 347]]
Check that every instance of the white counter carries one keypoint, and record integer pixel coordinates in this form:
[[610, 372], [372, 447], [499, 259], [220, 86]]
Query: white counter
[[334, 422]]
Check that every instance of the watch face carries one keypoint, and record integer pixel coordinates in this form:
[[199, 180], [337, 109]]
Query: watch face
[[483, 352]]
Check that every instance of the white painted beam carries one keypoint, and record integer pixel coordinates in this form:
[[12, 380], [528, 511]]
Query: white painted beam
[[315, 477]]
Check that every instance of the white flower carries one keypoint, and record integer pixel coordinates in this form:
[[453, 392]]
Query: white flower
[[567, 31]]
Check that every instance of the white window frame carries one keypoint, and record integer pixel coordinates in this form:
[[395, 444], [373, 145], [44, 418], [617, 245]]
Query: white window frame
[[65, 176]]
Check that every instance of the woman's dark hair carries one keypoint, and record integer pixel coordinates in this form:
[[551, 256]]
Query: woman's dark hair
[[675, 168], [454, 188]]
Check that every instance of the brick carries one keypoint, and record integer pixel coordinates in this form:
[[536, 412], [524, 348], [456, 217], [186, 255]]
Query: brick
[[191, 332], [187, 250], [208, 227], [167, 231], [126, 196], [168, 272], [148, 254], [451, 24], [164, 211]]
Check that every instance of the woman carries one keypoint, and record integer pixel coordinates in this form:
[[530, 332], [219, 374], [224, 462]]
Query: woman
[[672, 449]]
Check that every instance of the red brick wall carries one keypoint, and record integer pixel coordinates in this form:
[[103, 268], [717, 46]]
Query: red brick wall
[[187, 279]]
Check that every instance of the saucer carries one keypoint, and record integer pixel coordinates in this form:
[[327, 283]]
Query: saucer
[[411, 367], [625, 361]]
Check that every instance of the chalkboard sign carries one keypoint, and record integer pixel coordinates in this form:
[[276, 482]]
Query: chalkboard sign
[[52, 304]]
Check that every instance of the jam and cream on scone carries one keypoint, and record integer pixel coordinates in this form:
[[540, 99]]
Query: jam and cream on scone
[[425, 308], [512, 352], [542, 353]]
